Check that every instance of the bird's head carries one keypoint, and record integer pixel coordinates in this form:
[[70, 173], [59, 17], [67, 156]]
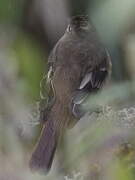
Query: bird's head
[[78, 23]]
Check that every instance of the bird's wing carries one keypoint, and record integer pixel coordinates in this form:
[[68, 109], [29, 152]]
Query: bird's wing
[[53, 55], [47, 92], [94, 78], [47, 96], [92, 81]]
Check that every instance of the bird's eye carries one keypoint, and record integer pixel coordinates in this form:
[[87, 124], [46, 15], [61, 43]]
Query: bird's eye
[[69, 29]]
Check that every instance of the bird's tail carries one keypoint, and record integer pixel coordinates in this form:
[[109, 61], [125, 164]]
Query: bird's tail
[[43, 154]]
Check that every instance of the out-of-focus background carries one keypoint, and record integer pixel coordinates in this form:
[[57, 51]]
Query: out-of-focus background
[[100, 146]]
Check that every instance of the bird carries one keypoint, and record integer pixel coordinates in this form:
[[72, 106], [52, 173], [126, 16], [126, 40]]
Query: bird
[[78, 66]]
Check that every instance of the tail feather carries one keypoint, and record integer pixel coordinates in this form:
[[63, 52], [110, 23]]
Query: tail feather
[[43, 154]]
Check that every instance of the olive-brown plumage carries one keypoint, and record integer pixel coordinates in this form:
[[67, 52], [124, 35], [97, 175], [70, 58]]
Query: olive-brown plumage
[[78, 66]]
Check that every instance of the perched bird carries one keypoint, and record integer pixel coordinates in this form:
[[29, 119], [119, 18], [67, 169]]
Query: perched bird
[[78, 65]]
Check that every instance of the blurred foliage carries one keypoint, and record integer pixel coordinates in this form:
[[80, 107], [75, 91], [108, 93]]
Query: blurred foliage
[[11, 11], [30, 60]]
